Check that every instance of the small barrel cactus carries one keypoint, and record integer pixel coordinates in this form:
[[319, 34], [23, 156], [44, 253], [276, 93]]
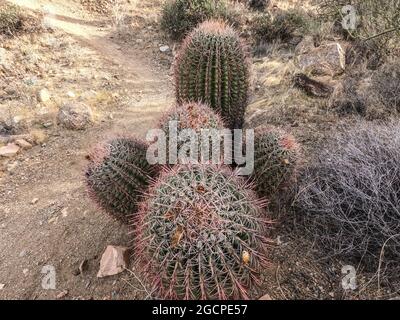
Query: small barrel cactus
[[197, 117], [200, 234], [276, 156], [117, 174], [212, 67]]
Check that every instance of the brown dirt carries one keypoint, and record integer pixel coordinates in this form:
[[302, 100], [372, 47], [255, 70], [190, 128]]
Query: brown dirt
[[64, 228]]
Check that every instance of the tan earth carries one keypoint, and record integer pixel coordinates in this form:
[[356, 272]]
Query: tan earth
[[63, 228]]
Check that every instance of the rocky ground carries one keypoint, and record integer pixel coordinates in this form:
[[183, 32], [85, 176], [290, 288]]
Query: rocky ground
[[95, 71]]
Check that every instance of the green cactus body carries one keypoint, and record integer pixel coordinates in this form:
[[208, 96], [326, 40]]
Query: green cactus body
[[212, 67], [117, 174], [276, 156], [200, 234]]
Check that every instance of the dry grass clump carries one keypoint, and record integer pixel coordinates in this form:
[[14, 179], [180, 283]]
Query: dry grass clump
[[349, 197], [378, 20], [367, 53], [386, 84], [13, 21], [179, 17], [283, 25]]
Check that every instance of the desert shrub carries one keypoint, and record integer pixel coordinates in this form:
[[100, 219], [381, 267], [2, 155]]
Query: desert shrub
[[367, 53], [386, 85], [282, 26], [201, 234], [13, 21], [259, 5], [179, 17], [349, 196], [10, 19], [379, 20], [348, 99]]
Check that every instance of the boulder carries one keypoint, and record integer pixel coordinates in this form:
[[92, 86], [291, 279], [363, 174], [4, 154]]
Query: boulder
[[327, 59], [9, 150], [75, 116]]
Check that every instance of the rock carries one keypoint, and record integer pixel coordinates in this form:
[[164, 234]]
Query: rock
[[35, 200], [23, 144], [44, 95], [25, 271], [83, 266], [62, 294], [4, 57], [327, 59], [2, 285], [265, 297], [164, 49], [64, 212], [71, 94], [23, 253], [9, 150], [312, 87], [12, 166], [113, 261], [75, 116], [305, 46]]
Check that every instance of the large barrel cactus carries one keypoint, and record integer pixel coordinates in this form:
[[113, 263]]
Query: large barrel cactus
[[212, 67], [117, 174], [200, 234], [197, 117], [276, 156]]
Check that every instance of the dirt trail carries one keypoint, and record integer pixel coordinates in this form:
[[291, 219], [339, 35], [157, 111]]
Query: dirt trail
[[64, 228]]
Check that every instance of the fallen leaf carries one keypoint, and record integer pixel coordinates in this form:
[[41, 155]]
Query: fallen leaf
[[176, 238], [245, 257]]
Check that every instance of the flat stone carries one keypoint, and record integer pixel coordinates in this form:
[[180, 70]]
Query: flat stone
[[44, 95], [9, 150], [113, 261], [164, 49], [265, 297], [23, 144]]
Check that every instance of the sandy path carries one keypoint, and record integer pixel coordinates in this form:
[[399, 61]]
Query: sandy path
[[64, 228]]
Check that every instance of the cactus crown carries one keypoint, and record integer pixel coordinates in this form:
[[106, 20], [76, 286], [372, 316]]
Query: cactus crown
[[276, 156], [194, 116], [212, 67], [117, 174], [201, 234]]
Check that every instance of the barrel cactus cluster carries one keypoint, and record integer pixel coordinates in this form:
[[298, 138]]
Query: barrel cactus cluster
[[200, 230]]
